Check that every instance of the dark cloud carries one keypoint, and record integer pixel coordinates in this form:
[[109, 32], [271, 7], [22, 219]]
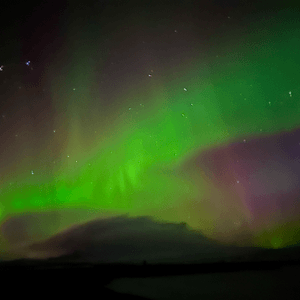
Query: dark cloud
[[121, 239], [258, 176]]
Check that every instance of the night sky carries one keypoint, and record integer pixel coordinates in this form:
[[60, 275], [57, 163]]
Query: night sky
[[177, 111]]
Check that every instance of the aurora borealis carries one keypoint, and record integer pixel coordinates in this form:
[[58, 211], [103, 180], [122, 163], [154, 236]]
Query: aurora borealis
[[117, 109]]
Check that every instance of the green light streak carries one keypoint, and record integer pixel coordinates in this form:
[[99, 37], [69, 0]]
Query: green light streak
[[131, 165]]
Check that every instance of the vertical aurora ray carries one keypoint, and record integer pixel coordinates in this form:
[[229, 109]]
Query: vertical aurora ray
[[125, 142]]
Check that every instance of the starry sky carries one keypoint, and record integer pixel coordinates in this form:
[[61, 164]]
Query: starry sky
[[182, 112]]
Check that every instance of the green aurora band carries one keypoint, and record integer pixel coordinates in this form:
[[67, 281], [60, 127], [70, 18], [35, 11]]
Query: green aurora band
[[129, 158]]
